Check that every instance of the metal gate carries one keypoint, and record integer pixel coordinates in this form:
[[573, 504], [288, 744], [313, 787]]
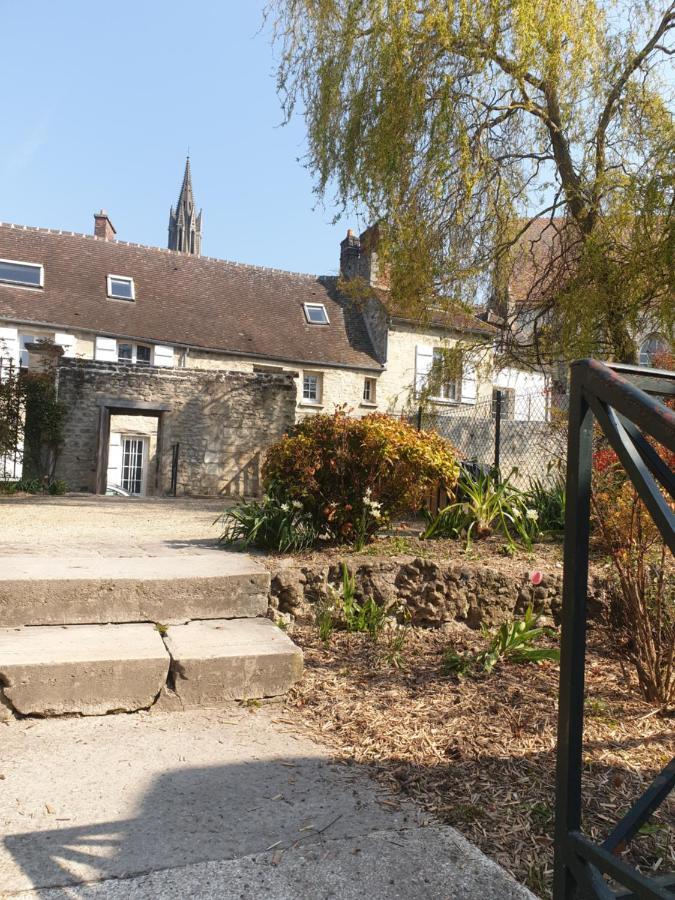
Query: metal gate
[[621, 400]]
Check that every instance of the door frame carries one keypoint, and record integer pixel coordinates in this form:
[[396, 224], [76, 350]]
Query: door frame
[[111, 406]]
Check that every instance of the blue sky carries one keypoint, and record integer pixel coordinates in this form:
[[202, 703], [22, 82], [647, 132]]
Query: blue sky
[[102, 100]]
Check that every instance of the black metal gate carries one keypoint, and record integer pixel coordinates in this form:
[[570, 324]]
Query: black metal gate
[[621, 399]]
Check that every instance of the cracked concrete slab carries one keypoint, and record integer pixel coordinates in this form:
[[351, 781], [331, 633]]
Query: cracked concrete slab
[[81, 669], [217, 661], [169, 586], [211, 804]]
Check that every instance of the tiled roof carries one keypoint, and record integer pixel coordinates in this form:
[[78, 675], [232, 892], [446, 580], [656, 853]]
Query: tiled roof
[[445, 316], [538, 260], [181, 299]]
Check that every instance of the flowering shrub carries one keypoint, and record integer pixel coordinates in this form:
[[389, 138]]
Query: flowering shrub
[[271, 524], [484, 506], [351, 475]]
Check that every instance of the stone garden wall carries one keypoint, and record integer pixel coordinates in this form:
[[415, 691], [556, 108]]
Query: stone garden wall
[[223, 421], [433, 592]]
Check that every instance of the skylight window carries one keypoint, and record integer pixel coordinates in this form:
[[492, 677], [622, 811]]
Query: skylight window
[[121, 288], [316, 314], [27, 274]]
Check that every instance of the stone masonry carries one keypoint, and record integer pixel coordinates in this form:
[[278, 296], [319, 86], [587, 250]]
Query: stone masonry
[[430, 592], [222, 420]]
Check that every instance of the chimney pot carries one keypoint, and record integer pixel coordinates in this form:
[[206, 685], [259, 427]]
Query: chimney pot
[[103, 227]]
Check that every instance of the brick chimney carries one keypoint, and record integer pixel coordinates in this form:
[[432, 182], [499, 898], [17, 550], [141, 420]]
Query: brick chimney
[[358, 257], [103, 227], [350, 251]]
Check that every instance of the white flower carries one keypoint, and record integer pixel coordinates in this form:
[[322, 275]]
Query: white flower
[[285, 507], [325, 536], [532, 514], [366, 496], [296, 504]]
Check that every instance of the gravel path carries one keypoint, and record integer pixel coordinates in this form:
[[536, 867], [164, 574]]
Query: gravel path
[[108, 526]]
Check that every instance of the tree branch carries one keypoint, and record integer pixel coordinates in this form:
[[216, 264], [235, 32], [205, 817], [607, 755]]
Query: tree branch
[[667, 22]]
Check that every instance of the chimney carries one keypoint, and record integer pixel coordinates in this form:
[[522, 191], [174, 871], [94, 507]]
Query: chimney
[[350, 251], [103, 227]]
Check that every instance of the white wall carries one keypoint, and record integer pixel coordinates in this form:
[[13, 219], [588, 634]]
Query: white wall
[[531, 393]]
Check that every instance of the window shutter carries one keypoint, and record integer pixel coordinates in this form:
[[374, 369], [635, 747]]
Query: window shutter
[[424, 360], [115, 459], [9, 344], [106, 349], [163, 356], [468, 379], [67, 341]]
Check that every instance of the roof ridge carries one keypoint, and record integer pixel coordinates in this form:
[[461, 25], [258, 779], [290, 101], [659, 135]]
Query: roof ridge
[[217, 259]]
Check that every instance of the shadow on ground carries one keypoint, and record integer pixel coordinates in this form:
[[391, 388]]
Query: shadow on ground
[[192, 815]]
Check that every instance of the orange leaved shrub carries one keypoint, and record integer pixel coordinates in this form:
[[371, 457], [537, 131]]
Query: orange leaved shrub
[[353, 474]]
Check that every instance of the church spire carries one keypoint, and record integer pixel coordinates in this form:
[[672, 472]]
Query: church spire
[[185, 224]]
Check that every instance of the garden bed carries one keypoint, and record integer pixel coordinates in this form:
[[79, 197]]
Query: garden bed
[[480, 753]]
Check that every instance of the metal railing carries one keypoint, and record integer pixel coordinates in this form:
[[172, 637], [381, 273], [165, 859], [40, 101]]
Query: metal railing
[[621, 399]]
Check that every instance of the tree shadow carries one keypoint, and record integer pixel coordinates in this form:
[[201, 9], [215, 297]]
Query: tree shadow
[[192, 815], [218, 813]]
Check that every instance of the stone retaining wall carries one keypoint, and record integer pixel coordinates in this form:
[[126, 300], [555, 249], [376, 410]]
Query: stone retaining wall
[[433, 592]]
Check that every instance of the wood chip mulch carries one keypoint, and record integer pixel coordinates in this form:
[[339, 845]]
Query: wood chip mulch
[[479, 753]]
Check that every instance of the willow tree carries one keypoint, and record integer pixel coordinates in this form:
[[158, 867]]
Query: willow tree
[[487, 136]]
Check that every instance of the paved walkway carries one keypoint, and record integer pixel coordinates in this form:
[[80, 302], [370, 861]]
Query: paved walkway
[[217, 804], [204, 804], [107, 526]]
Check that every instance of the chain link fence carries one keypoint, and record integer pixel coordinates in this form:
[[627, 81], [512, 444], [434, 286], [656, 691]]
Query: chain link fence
[[522, 435]]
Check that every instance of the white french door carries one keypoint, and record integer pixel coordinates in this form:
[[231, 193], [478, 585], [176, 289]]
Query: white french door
[[134, 454]]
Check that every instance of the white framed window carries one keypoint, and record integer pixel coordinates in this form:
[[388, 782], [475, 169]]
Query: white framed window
[[446, 374], [26, 274], [316, 314], [651, 347], [508, 410], [121, 287], [369, 389], [24, 357], [311, 387], [137, 354]]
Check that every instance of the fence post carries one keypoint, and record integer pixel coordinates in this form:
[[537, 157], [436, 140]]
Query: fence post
[[419, 418], [498, 428]]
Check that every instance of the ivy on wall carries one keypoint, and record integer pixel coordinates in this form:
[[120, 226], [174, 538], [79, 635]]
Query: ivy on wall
[[43, 424]]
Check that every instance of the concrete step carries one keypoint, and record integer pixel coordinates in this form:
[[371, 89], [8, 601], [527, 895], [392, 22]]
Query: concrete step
[[215, 662], [168, 588], [51, 670], [87, 669]]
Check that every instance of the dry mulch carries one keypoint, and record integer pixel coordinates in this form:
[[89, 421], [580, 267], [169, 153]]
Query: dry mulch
[[545, 555], [479, 753]]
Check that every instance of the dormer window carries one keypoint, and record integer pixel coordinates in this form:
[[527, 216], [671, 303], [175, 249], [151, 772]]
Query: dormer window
[[22, 273], [316, 314], [120, 287]]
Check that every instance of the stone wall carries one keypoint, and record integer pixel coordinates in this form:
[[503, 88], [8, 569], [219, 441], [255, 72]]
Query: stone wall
[[222, 420], [433, 592]]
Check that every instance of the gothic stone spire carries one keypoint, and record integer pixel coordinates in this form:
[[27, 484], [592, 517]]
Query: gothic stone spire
[[185, 224]]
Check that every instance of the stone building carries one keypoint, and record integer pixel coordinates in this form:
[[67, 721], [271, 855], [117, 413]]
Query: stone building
[[172, 316]]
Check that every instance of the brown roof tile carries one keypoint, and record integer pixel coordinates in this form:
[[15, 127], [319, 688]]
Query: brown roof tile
[[182, 299], [445, 317]]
